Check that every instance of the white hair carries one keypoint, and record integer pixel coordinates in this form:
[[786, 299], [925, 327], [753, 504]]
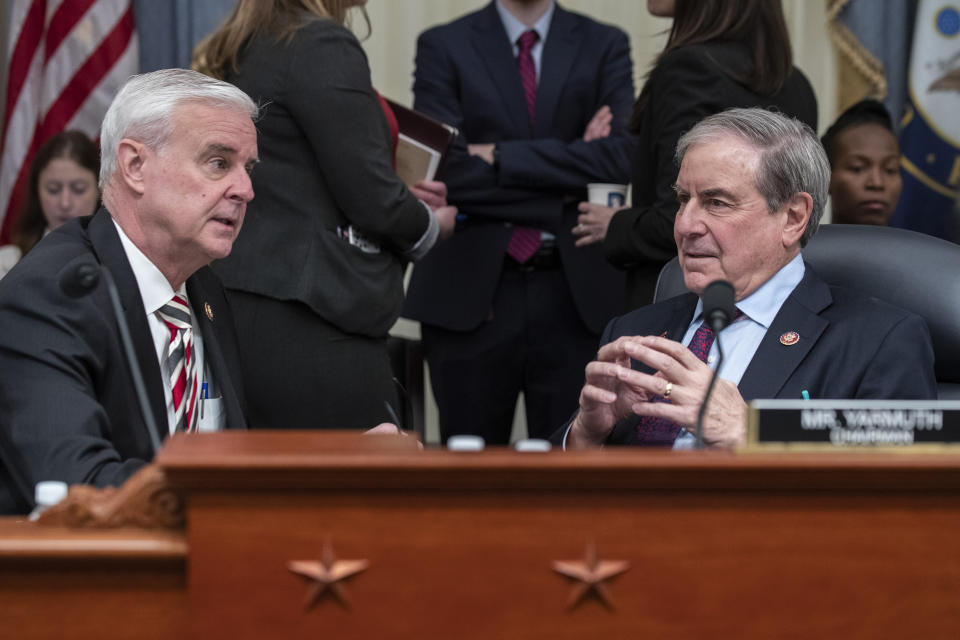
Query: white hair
[[143, 109]]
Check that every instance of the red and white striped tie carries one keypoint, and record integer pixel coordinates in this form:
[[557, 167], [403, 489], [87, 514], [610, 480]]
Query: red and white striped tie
[[180, 365]]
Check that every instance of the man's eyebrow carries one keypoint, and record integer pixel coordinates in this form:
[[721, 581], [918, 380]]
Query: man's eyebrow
[[217, 147], [678, 189], [717, 192]]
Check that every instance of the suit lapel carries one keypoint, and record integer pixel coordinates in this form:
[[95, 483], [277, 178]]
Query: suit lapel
[[559, 52], [109, 251], [774, 362], [205, 316], [496, 53]]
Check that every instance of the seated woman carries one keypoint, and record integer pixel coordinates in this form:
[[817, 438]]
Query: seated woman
[[62, 185], [865, 164]]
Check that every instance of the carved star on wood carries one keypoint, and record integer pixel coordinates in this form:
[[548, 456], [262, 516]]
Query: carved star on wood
[[590, 575], [328, 575]]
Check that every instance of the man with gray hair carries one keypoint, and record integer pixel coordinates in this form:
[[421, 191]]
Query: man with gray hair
[[751, 190], [178, 148]]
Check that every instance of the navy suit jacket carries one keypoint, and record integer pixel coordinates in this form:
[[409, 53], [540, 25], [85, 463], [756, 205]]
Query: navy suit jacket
[[67, 401], [851, 347], [466, 75]]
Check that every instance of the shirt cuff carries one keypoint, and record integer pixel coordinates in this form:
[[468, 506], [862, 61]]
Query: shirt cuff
[[428, 239], [685, 441]]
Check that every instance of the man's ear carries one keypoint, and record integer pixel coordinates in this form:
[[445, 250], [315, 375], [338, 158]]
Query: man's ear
[[131, 156], [798, 209]]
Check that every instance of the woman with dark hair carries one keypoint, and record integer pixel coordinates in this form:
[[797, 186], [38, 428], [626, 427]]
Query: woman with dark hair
[[864, 156], [315, 280], [62, 185], [719, 54]]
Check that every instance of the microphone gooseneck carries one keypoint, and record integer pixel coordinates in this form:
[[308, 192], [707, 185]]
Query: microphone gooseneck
[[82, 280], [718, 312]]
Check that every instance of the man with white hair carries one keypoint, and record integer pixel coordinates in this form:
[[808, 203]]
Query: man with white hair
[[751, 190], [178, 148]]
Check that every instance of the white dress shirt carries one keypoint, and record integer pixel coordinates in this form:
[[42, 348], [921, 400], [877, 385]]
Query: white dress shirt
[[740, 340], [155, 292]]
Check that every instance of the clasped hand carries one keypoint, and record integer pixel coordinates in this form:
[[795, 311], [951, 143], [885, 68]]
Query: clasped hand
[[614, 391]]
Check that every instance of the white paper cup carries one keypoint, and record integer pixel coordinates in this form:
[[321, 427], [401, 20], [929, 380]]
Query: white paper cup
[[609, 195]]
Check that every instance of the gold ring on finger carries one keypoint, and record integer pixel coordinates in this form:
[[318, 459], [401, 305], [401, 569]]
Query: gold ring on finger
[[668, 390]]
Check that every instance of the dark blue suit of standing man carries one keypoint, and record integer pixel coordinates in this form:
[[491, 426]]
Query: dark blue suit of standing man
[[492, 324]]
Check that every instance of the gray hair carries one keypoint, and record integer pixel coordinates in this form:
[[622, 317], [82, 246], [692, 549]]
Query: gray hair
[[143, 109], [792, 160]]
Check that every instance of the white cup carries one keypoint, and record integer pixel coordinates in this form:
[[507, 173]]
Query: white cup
[[609, 195]]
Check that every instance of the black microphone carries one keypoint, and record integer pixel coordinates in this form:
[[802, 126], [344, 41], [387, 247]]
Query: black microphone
[[718, 309], [82, 279], [718, 312]]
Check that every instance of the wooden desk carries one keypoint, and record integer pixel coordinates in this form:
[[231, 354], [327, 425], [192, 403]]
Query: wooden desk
[[463, 545], [67, 583]]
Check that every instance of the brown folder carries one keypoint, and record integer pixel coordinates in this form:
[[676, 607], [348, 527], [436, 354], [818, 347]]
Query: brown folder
[[422, 145]]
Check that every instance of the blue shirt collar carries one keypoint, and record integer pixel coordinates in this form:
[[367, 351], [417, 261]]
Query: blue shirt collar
[[762, 305], [515, 28]]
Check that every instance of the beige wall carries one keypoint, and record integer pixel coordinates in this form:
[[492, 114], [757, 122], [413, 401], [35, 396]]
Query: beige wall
[[396, 24]]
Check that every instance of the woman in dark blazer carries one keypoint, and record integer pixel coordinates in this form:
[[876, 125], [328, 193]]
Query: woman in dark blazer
[[720, 54], [315, 279]]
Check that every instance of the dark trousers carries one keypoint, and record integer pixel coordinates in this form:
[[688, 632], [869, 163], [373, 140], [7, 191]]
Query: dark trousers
[[301, 372], [533, 341]]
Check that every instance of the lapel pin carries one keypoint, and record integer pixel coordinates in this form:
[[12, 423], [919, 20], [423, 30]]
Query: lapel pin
[[790, 338], [209, 311], [663, 335]]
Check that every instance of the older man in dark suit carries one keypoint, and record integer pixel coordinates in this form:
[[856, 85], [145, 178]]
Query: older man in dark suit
[[541, 97], [177, 151], [751, 190]]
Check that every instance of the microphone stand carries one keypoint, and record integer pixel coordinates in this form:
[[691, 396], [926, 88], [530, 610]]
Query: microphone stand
[[698, 443], [128, 350], [82, 281]]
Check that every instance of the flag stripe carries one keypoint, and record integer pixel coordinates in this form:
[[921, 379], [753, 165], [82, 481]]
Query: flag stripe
[[62, 23], [23, 122], [87, 77], [90, 116], [65, 61], [31, 34], [64, 75]]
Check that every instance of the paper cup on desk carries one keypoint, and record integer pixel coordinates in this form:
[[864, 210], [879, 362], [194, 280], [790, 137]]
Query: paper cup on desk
[[609, 195]]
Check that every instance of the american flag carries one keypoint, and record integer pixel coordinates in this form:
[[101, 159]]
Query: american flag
[[65, 59]]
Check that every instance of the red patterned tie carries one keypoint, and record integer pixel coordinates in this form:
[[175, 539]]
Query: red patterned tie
[[525, 241], [654, 431], [528, 70], [180, 365]]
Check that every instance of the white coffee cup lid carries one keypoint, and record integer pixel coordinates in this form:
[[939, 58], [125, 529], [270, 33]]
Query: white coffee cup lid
[[532, 444], [465, 442], [607, 185]]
